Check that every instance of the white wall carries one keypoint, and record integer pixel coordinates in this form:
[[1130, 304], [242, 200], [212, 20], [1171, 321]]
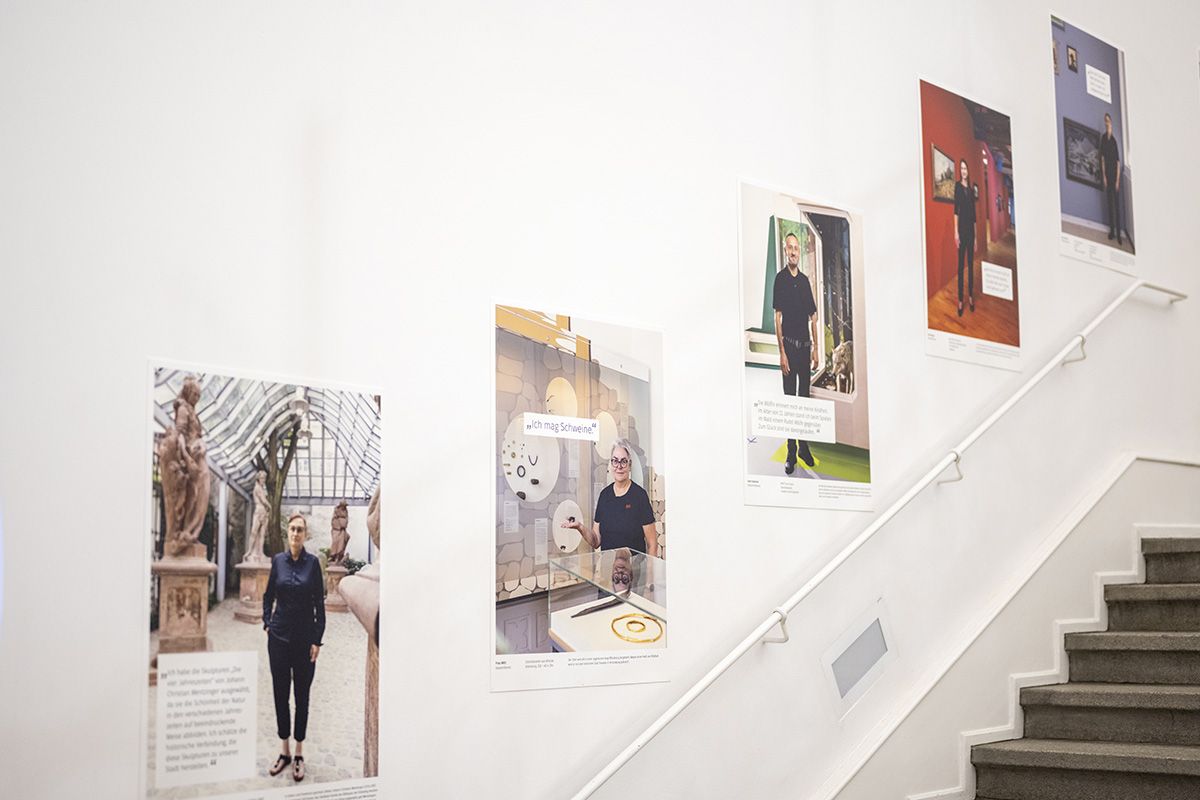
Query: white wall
[[186, 181], [926, 753]]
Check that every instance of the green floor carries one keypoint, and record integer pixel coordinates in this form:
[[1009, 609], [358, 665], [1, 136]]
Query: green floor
[[835, 460]]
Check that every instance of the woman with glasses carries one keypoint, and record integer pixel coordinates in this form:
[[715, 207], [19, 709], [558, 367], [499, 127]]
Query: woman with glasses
[[624, 517], [294, 617]]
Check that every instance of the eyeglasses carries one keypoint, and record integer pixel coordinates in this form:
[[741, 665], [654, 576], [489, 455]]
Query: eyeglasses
[[620, 462]]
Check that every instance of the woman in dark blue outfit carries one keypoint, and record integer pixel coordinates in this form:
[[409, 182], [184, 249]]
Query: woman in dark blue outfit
[[294, 617]]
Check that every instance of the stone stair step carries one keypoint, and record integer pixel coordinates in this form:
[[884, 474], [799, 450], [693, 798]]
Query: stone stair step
[[1134, 657], [1174, 641], [1114, 695], [1170, 544], [1151, 592], [1171, 560], [1153, 607], [1049, 769], [1113, 712]]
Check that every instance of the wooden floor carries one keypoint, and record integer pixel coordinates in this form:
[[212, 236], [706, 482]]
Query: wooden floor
[[994, 319], [1099, 237]]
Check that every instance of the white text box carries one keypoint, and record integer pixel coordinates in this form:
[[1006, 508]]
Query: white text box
[[1098, 83], [794, 418], [997, 280], [207, 720]]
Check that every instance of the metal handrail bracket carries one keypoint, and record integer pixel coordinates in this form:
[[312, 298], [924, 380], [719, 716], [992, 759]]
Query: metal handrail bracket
[[782, 629]]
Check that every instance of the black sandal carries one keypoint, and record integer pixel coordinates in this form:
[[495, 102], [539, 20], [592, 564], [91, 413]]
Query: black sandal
[[298, 769], [280, 764]]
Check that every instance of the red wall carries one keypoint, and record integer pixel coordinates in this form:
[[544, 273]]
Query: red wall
[[1000, 220], [946, 122]]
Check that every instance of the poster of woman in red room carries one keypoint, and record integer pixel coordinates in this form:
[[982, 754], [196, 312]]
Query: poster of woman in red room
[[970, 242]]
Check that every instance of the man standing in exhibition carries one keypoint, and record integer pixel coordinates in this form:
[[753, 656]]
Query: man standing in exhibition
[[796, 332], [1110, 174]]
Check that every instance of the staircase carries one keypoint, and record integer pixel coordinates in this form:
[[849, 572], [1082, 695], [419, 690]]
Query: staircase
[[1127, 724]]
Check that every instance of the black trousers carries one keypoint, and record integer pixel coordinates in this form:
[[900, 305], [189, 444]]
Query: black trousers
[[796, 384], [1114, 209], [291, 666], [966, 253]]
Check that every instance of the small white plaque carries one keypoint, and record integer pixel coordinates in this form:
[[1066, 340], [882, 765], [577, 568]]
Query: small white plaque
[[1098, 83], [511, 519], [997, 280], [573, 458], [541, 530]]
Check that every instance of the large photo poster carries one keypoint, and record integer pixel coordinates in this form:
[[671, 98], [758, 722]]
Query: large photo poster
[[806, 435], [581, 540], [1095, 179], [263, 534], [969, 212]]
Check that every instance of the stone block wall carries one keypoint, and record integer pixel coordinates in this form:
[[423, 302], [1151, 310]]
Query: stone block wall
[[524, 370]]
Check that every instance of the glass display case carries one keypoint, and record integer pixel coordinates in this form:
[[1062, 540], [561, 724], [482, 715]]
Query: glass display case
[[607, 600]]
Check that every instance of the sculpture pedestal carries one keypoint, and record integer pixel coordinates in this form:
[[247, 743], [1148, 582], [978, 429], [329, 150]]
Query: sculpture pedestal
[[361, 591], [253, 576], [334, 602], [182, 603]]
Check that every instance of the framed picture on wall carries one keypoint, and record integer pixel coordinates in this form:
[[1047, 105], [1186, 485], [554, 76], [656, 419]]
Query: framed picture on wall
[[1092, 230], [1081, 153], [943, 176], [801, 275], [972, 315], [580, 594]]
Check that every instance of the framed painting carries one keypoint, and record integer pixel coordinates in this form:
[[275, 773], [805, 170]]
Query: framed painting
[[943, 176], [1081, 146]]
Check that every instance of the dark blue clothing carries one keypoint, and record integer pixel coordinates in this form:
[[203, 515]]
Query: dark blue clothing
[[621, 518], [292, 668], [294, 601]]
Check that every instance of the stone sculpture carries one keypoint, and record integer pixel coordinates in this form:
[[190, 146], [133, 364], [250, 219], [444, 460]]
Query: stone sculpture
[[373, 519], [255, 569], [183, 464], [337, 550], [843, 367], [361, 591], [262, 516]]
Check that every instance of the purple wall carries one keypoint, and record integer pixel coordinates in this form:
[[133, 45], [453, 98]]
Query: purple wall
[[1074, 103]]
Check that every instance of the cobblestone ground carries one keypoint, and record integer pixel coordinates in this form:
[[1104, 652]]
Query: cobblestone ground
[[333, 749]]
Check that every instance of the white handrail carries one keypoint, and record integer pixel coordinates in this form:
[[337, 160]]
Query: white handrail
[[779, 615]]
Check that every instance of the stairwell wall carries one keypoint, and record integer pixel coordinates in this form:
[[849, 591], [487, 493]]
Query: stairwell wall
[[341, 193], [976, 700]]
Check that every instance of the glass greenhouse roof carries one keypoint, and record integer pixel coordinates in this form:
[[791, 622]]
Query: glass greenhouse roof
[[339, 459]]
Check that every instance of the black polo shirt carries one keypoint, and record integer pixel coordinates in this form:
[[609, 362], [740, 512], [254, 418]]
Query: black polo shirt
[[621, 518], [1110, 158], [794, 298]]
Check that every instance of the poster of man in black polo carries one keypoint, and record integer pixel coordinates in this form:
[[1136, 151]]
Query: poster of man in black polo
[[1095, 170]]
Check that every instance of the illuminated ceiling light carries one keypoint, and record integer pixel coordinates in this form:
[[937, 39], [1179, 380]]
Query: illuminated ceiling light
[[299, 402]]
